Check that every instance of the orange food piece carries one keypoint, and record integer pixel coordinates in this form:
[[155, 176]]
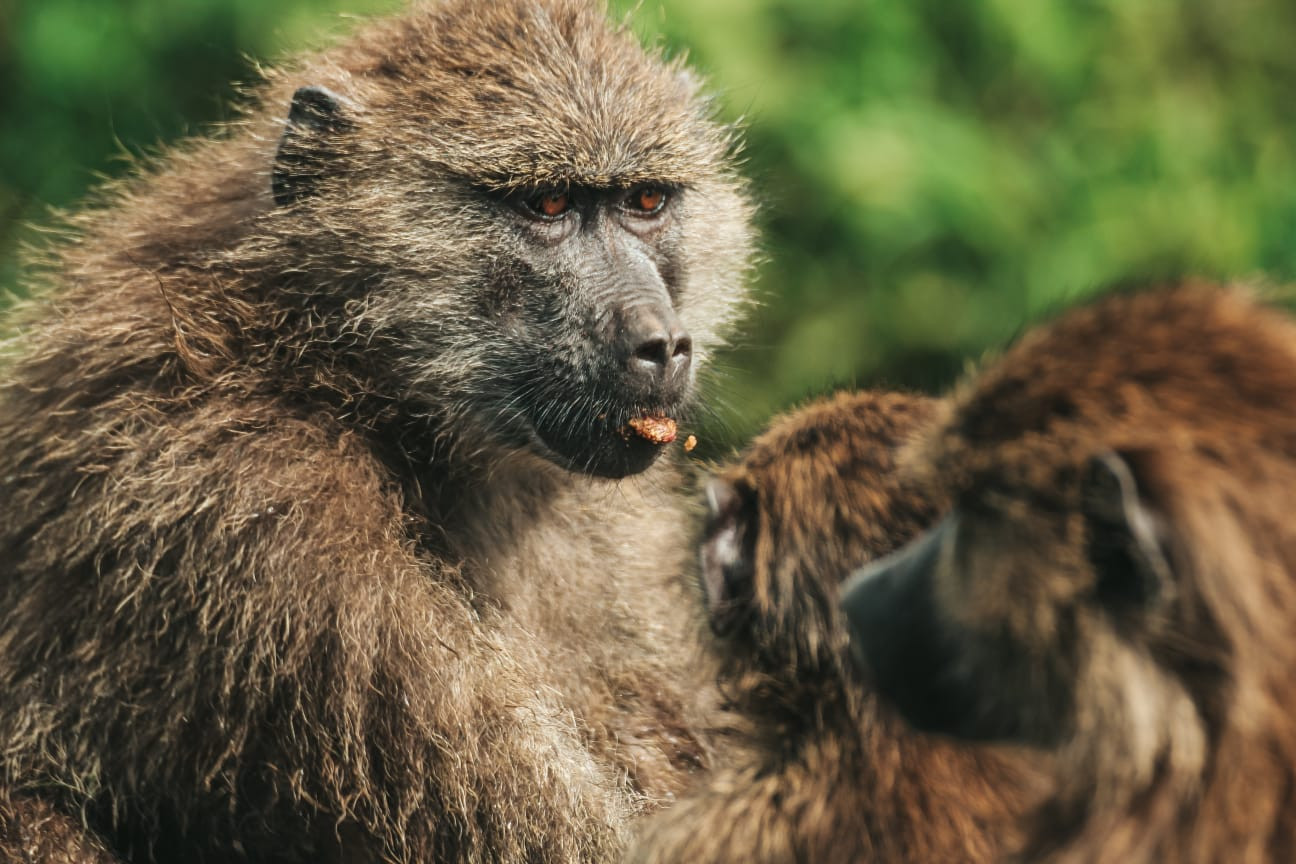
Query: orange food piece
[[658, 430], [689, 443]]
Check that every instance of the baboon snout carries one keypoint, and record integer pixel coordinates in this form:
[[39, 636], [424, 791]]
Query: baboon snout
[[657, 349]]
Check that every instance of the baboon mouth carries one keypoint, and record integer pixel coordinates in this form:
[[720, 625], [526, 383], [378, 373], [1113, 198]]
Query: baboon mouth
[[594, 424], [614, 444]]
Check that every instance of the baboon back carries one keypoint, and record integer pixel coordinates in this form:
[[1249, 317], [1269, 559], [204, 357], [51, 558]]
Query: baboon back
[[1117, 581]]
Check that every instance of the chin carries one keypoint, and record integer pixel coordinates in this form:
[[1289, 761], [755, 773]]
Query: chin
[[607, 447], [611, 454]]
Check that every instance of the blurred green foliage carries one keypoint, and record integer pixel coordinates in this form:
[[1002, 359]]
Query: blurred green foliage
[[85, 83], [934, 173]]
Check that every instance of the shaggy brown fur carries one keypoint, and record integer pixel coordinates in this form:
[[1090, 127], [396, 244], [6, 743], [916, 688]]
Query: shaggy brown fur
[[836, 776], [285, 572], [1119, 580], [32, 831]]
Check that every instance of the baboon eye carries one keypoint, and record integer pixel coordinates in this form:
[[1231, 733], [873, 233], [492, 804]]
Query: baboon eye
[[646, 200], [550, 204]]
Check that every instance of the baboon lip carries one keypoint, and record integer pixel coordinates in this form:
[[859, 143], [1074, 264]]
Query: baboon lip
[[612, 446]]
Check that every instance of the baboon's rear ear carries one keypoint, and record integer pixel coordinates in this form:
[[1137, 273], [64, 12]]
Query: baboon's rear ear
[[306, 149], [1126, 536]]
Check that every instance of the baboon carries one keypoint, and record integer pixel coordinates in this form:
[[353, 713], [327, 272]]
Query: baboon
[[1114, 582], [833, 776], [312, 544]]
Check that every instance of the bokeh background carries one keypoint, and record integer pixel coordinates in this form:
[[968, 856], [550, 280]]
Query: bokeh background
[[934, 174]]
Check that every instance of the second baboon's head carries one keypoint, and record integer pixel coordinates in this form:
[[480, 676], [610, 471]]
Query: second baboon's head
[[812, 498], [1116, 570], [504, 216]]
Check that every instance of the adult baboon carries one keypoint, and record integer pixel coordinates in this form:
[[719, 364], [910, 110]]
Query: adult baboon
[[307, 548], [1116, 578], [834, 776]]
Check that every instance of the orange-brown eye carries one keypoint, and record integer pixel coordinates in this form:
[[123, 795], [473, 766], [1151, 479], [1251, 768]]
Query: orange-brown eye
[[549, 205], [648, 199]]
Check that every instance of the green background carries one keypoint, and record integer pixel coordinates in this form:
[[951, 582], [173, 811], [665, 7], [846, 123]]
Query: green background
[[934, 173]]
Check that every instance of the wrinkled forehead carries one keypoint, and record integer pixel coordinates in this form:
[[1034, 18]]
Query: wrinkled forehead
[[527, 93]]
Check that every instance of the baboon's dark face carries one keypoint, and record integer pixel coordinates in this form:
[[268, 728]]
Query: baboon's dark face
[[1019, 619], [810, 500], [539, 228], [586, 314]]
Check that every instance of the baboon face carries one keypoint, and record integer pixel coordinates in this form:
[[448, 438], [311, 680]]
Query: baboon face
[[812, 498], [537, 219]]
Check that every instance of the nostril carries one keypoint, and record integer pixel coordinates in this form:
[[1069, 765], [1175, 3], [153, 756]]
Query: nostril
[[656, 351]]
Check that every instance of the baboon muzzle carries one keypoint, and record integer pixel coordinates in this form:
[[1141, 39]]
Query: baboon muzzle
[[635, 370]]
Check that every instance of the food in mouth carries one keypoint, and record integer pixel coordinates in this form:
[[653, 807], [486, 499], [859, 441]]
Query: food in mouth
[[658, 430]]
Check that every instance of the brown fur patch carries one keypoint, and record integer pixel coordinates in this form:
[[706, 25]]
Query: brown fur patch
[[32, 831]]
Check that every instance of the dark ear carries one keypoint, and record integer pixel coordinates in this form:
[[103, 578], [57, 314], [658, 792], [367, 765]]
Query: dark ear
[[1126, 536], [305, 150], [726, 554]]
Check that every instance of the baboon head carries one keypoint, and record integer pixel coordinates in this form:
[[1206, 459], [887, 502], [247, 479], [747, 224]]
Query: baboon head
[[1115, 543], [811, 499], [510, 218]]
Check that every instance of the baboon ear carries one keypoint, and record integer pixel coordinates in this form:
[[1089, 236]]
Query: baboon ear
[[1126, 536], [316, 117], [726, 554]]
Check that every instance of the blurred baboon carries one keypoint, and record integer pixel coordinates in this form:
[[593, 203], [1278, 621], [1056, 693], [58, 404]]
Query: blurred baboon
[[1116, 577], [308, 550], [834, 777]]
